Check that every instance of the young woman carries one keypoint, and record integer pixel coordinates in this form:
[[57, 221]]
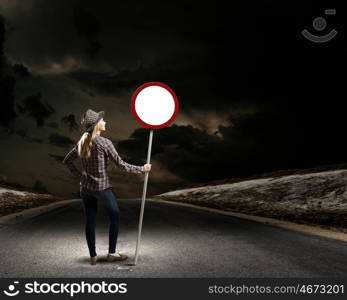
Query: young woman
[[94, 152]]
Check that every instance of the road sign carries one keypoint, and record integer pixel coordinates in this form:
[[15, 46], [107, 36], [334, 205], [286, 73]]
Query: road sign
[[154, 105]]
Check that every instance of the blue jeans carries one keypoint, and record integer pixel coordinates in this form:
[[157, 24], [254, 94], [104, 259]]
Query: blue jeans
[[108, 199]]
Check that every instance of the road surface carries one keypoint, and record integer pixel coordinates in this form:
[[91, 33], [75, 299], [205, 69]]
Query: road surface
[[176, 241]]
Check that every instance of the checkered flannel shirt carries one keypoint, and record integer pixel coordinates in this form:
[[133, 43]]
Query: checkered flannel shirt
[[94, 174]]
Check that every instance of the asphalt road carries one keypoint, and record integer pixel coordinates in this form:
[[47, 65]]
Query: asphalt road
[[176, 242]]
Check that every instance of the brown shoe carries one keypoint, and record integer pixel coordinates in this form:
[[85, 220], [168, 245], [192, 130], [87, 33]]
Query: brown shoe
[[93, 260], [116, 258]]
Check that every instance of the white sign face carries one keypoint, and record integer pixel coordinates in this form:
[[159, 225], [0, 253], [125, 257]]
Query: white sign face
[[154, 105]]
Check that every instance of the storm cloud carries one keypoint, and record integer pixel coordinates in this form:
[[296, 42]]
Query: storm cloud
[[255, 96]]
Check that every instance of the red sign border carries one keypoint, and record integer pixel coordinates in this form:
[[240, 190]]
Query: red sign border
[[139, 89]]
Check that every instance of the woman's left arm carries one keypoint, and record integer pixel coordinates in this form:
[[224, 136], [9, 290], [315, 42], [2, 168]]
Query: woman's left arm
[[68, 161]]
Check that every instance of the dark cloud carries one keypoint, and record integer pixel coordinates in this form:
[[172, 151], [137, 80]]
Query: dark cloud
[[253, 144], [59, 140], [70, 121], [21, 70], [258, 96], [88, 26], [185, 151], [2, 40], [7, 83], [54, 125], [7, 112], [174, 71], [35, 140], [57, 158], [37, 109], [21, 109], [22, 132], [102, 82]]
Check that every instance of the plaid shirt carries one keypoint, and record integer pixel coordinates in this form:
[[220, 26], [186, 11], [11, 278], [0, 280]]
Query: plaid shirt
[[94, 176]]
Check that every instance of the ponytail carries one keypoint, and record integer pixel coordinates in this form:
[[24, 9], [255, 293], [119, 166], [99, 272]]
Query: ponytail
[[84, 145]]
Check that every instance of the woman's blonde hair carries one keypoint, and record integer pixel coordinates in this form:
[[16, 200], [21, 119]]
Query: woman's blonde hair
[[84, 145]]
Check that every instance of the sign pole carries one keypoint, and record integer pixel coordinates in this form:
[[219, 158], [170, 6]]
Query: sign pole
[[143, 196], [154, 105]]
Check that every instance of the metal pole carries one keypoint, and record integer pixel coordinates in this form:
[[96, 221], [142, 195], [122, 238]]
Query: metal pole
[[143, 196]]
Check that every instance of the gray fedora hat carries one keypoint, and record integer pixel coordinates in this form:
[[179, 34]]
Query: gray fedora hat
[[90, 118]]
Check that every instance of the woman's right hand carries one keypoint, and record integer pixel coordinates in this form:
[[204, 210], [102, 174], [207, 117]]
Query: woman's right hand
[[147, 167]]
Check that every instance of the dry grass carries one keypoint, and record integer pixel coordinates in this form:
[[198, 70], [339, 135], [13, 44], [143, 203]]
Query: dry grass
[[11, 203]]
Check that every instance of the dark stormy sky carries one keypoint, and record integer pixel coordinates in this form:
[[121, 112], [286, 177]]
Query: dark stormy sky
[[255, 95]]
